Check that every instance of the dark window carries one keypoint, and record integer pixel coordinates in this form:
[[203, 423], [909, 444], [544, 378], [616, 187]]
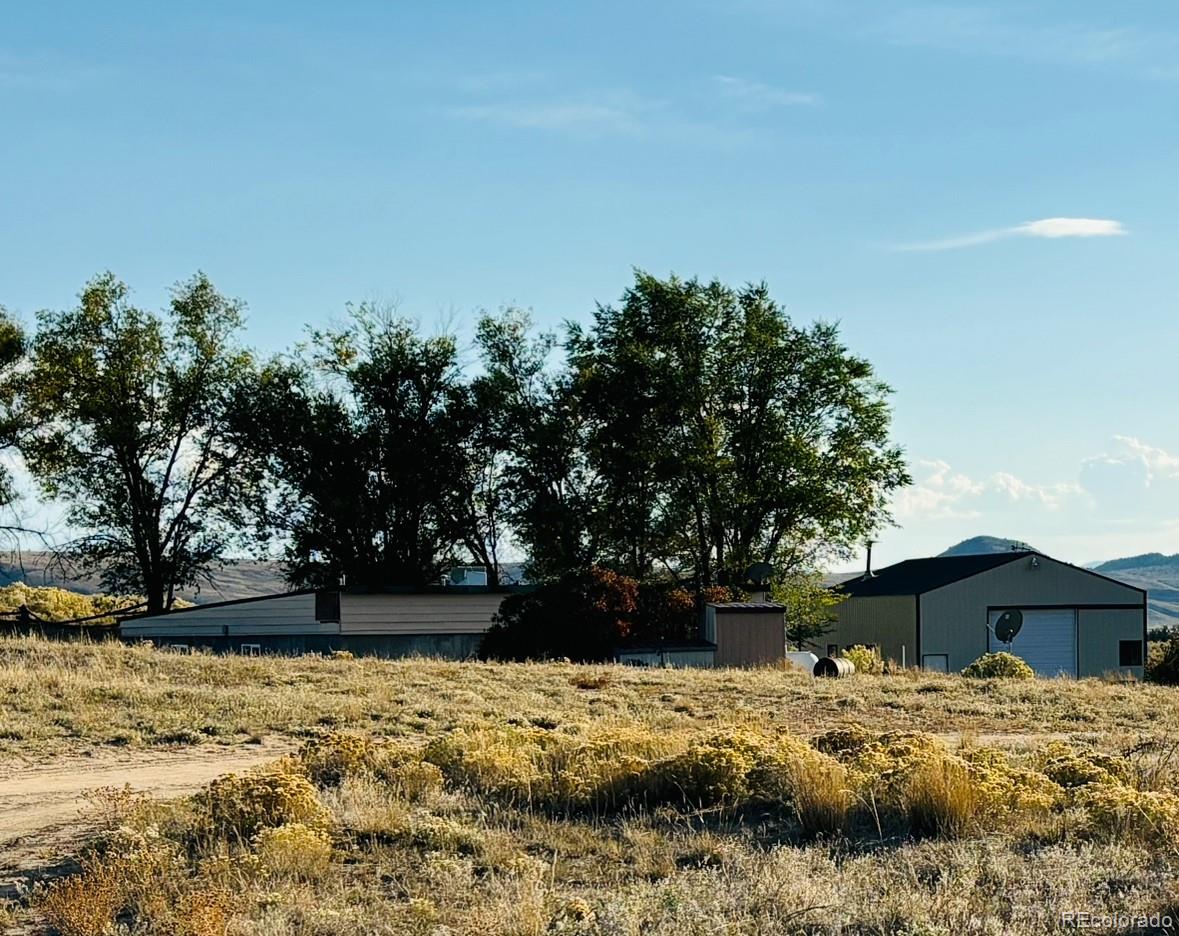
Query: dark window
[[832, 650], [1129, 653], [327, 607]]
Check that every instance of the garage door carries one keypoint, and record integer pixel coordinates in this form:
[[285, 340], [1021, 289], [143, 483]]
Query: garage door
[[1047, 641]]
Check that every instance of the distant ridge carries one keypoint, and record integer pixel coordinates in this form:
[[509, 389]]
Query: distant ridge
[[1152, 560]]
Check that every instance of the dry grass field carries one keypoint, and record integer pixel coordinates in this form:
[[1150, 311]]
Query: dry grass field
[[443, 798]]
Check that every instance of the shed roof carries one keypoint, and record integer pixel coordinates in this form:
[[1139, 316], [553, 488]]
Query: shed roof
[[730, 606], [915, 576]]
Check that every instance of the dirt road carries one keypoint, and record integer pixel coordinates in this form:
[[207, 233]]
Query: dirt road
[[40, 806]]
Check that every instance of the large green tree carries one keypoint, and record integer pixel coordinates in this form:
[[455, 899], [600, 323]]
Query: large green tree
[[137, 430], [545, 493], [722, 434], [370, 428]]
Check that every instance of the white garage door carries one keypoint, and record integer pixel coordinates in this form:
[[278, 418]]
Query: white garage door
[[1047, 641]]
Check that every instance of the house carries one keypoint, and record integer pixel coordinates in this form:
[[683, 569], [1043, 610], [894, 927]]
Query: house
[[447, 621], [941, 614]]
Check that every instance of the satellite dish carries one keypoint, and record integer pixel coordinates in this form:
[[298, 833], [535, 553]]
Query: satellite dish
[[760, 573], [1008, 626]]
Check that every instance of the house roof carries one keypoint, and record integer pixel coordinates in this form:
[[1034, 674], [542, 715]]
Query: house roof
[[915, 576]]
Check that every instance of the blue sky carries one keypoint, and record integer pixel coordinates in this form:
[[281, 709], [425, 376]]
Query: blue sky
[[894, 167]]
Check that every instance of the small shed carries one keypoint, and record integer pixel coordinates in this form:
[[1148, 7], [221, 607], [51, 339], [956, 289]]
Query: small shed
[[746, 633]]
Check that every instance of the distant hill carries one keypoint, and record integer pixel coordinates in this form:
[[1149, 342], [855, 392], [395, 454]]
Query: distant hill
[[1159, 575], [240, 578], [985, 544]]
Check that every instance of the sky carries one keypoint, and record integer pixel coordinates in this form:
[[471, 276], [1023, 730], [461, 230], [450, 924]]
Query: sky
[[983, 196]]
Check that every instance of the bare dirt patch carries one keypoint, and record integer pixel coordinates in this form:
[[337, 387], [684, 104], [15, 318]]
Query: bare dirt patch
[[42, 815]]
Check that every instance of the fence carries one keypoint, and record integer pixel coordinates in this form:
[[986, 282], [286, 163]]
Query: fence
[[24, 623]]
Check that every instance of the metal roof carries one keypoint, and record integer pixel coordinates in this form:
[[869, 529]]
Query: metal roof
[[915, 576]]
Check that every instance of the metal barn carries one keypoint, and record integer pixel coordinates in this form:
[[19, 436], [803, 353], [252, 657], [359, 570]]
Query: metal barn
[[941, 614]]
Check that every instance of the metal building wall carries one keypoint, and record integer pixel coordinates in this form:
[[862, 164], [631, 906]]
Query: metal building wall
[[888, 621], [1099, 631], [746, 638], [276, 614], [406, 613]]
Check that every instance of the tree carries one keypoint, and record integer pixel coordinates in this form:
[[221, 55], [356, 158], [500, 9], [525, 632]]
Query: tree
[[721, 434], [368, 429], [13, 346], [136, 428], [809, 607], [546, 492]]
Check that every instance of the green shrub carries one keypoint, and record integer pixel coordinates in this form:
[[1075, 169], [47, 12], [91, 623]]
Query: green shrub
[[999, 666], [864, 660], [1162, 662]]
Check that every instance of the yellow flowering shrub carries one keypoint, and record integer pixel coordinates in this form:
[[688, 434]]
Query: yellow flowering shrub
[[864, 660], [1119, 812], [240, 805], [328, 759], [1069, 768], [293, 851], [1000, 665]]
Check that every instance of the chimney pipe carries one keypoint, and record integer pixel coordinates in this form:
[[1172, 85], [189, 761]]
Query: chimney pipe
[[868, 573]]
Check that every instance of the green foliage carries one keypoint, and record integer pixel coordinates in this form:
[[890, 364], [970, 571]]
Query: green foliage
[[1162, 662], [809, 605], [134, 425], [865, 660], [1000, 665], [367, 430], [718, 433], [13, 423]]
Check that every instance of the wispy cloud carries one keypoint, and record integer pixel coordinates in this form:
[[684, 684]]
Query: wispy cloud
[[1051, 228], [754, 95], [586, 118], [978, 29]]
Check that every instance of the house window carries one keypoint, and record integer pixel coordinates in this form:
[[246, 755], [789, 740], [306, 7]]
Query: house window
[[327, 607], [832, 650], [1129, 653], [936, 662], [251, 649]]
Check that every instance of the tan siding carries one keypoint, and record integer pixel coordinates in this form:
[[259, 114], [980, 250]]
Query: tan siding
[[282, 614], [749, 639], [1098, 633], [417, 614], [889, 621], [954, 617]]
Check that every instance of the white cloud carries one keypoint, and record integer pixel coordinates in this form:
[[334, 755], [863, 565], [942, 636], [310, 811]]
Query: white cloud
[[1051, 228], [753, 95], [940, 493]]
